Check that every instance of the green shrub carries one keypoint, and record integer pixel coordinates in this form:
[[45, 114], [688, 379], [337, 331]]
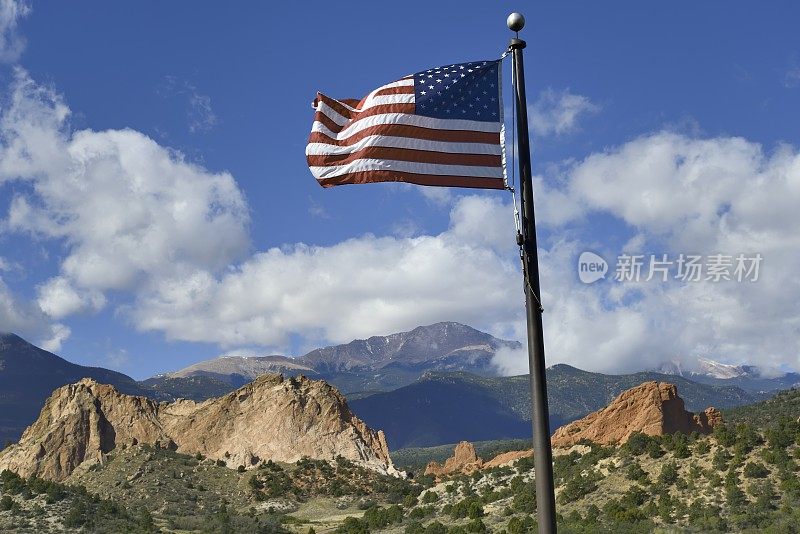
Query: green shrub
[[755, 470], [725, 435], [436, 528], [351, 525], [422, 511], [702, 447], [669, 473], [637, 474], [430, 497], [6, 503], [579, 487], [476, 525], [468, 507], [654, 449], [721, 459], [12, 482], [378, 518]]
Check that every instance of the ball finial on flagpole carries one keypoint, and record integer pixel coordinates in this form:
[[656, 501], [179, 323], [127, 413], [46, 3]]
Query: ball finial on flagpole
[[515, 22]]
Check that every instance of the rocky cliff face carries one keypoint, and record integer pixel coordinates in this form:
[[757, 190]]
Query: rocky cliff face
[[270, 418], [653, 408]]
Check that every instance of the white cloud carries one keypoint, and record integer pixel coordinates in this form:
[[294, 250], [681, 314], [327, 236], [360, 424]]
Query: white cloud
[[558, 112], [25, 319], [11, 43], [129, 210], [356, 288], [511, 362], [57, 298], [683, 194]]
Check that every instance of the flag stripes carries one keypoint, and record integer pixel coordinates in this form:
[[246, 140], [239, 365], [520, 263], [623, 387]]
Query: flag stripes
[[386, 136]]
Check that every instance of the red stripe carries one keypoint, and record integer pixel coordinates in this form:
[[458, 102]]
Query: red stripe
[[406, 154], [336, 106], [344, 111], [398, 90], [371, 112], [413, 132], [328, 123], [368, 177]]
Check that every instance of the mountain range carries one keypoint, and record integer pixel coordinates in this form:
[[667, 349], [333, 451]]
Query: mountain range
[[747, 377], [446, 407], [434, 384], [361, 367]]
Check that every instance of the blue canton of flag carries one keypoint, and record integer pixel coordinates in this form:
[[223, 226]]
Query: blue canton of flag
[[462, 91]]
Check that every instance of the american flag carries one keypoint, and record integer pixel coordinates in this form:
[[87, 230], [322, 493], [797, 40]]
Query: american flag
[[442, 126]]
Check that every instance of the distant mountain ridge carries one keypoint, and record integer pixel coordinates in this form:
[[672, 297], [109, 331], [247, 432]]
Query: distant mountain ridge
[[439, 381], [747, 377], [378, 363], [442, 406]]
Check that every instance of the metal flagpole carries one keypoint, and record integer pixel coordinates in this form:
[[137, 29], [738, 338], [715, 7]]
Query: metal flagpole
[[542, 452]]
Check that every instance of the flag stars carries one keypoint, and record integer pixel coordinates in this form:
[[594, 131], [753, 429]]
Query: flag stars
[[436, 95]]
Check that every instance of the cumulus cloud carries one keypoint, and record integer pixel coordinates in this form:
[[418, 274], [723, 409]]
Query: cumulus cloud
[[58, 298], [681, 194], [26, 319], [356, 288], [129, 210], [558, 112], [11, 43]]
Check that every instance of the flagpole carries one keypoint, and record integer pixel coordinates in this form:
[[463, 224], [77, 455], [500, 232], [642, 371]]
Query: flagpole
[[542, 452]]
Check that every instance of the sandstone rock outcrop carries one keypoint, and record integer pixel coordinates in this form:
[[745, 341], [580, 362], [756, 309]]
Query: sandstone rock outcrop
[[270, 418], [507, 458], [464, 460], [653, 408]]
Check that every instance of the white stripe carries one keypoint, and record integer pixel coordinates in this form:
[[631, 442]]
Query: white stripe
[[388, 99], [331, 113], [398, 83], [340, 119], [406, 166], [323, 149], [408, 120]]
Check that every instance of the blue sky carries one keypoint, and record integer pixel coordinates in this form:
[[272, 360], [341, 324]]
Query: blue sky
[[616, 97]]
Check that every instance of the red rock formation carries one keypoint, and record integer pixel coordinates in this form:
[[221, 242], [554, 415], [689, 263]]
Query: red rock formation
[[507, 458], [464, 460], [652, 408]]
